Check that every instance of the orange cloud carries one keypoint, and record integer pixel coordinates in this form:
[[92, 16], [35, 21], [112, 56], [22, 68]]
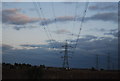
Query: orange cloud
[[13, 16]]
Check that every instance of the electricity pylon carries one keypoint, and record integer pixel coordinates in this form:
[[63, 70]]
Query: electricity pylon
[[97, 62], [65, 57], [108, 61]]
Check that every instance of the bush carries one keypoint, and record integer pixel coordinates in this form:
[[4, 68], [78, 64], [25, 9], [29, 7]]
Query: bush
[[93, 69], [35, 73], [101, 69]]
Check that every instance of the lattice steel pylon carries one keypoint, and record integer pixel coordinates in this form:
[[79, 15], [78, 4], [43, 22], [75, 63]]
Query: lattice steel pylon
[[97, 61], [65, 57], [108, 61]]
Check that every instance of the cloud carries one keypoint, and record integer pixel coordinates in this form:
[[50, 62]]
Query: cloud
[[104, 7], [113, 32], [90, 37], [51, 45], [33, 56], [6, 48], [13, 16], [57, 19], [62, 31], [69, 2], [85, 38], [34, 46], [84, 55], [100, 29], [18, 27], [106, 16], [64, 18]]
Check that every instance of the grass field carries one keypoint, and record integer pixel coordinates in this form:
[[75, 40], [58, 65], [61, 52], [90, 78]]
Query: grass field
[[41, 72]]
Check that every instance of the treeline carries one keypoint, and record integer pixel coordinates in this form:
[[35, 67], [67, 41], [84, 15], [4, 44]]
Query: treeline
[[31, 72], [19, 66]]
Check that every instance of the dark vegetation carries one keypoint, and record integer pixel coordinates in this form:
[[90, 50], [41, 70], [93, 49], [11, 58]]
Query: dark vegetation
[[27, 71], [21, 71]]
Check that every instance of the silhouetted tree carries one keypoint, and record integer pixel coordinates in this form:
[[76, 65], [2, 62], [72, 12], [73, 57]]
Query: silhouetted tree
[[35, 73], [93, 69], [101, 69], [42, 66]]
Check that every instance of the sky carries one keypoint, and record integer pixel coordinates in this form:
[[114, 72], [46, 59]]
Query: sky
[[34, 33], [60, 0]]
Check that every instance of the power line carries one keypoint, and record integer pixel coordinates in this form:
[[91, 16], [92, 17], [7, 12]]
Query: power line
[[53, 10], [39, 9], [46, 24], [74, 19], [44, 17], [54, 15], [38, 12], [84, 14]]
